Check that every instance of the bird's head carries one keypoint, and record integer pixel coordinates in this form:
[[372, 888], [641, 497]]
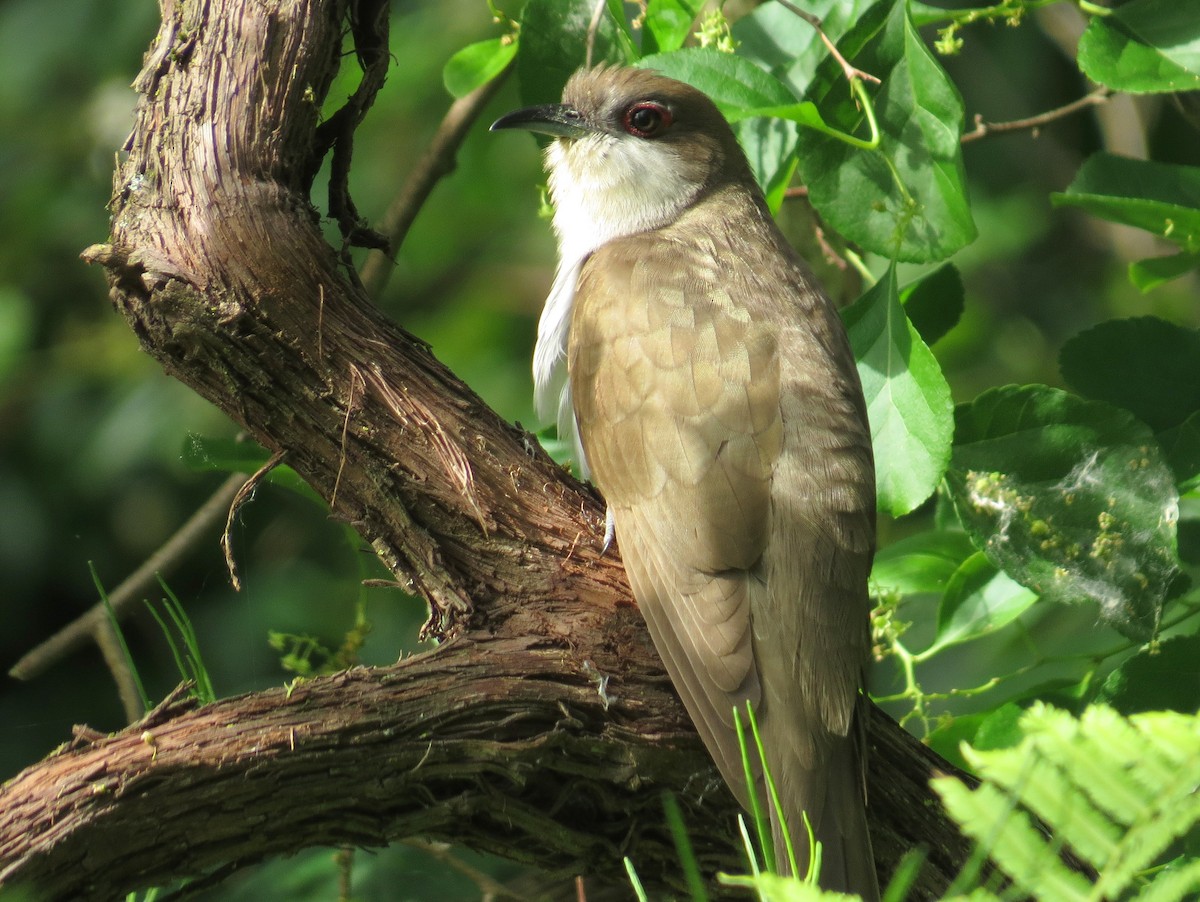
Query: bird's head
[[632, 150]]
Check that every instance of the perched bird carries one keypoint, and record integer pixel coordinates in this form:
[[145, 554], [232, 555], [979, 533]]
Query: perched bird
[[720, 413]]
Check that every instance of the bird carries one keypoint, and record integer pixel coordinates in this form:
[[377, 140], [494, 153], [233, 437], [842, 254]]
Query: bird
[[710, 387]]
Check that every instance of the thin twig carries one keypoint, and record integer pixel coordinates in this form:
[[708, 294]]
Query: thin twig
[[593, 30], [105, 636], [438, 161], [487, 884], [164, 560], [983, 129], [243, 495], [851, 72]]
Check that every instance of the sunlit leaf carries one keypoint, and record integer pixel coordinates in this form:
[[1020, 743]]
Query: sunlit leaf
[[907, 200], [1116, 792], [667, 24], [1071, 498], [920, 563], [908, 400], [477, 64], [778, 40], [979, 599], [1144, 46]]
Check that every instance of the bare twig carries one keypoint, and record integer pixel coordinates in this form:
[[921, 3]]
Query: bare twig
[[437, 162], [983, 129], [243, 495], [488, 886], [165, 559], [593, 30], [850, 71], [105, 635]]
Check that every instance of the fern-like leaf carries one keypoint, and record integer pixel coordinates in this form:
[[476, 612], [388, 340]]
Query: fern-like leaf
[[1117, 791]]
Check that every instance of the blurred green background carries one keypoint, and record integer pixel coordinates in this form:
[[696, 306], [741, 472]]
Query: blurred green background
[[92, 432]]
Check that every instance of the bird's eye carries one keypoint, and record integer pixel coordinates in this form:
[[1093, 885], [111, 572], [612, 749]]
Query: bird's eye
[[645, 120]]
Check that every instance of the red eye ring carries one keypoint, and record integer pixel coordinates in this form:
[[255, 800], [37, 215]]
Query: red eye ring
[[646, 119]]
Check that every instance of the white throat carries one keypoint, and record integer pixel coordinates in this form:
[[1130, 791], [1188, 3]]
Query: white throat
[[604, 187]]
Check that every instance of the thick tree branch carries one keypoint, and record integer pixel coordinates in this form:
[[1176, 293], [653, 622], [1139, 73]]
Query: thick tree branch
[[501, 737]]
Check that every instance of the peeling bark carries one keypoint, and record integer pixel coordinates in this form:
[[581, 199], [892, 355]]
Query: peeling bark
[[502, 737]]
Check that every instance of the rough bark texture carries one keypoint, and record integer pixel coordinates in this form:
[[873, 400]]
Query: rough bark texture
[[504, 738]]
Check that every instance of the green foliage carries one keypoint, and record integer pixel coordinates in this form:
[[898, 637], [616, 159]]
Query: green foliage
[[1144, 46], [907, 200], [1118, 793], [1073, 498], [908, 400], [1162, 199], [477, 64]]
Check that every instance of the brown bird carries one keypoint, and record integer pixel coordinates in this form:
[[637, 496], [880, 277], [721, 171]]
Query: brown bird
[[719, 411]]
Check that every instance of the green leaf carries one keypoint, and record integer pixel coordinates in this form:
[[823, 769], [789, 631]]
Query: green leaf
[[908, 400], [906, 200], [1011, 840], [736, 85], [1117, 793], [1147, 365], [206, 454], [999, 729], [776, 39], [477, 64], [1071, 498], [1148, 274], [667, 25], [1164, 677], [922, 563], [554, 36], [934, 304], [1144, 46], [1181, 445], [1161, 198], [979, 600]]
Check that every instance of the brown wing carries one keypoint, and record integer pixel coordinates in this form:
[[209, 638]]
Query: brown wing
[[676, 391], [719, 408]]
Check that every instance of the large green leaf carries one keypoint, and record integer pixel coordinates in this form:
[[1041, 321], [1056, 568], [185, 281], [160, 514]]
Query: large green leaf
[[1160, 197], [1071, 498], [1152, 368], [667, 24], [908, 400], [979, 599], [1147, 365], [1164, 677], [477, 64], [921, 563], [554, 36], [1181, 445], [907, 200], [1144, 46], [778, 40]]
